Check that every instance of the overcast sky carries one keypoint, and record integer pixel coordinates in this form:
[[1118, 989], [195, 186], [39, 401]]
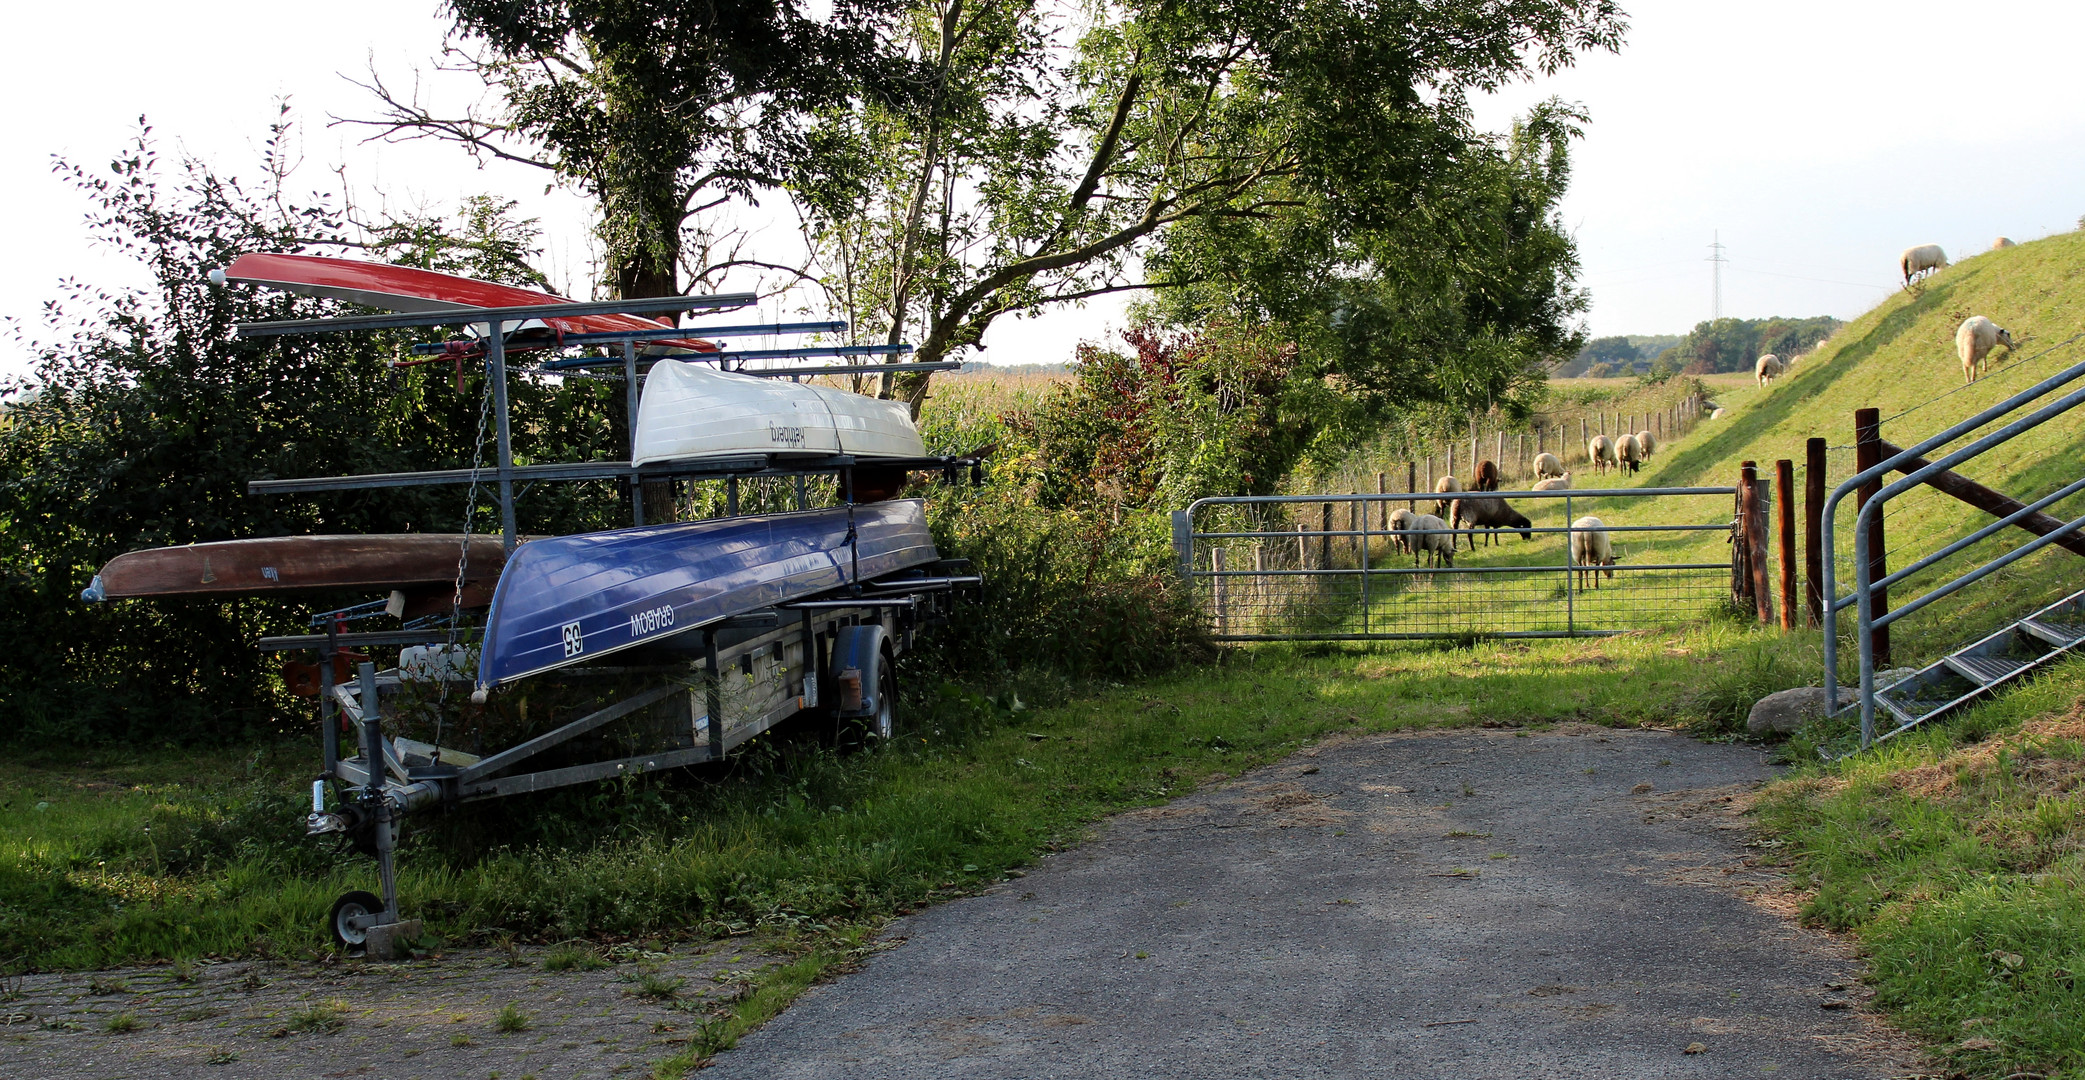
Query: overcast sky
[[1817, 138]]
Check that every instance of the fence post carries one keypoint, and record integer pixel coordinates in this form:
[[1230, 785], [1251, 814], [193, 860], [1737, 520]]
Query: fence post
[[1325, 537], [1219, 593], [1429, 481], [1756, 544], [1302, 546], [1451, 459], [1741, 553], [1813, 528], [1411, 481], [1784, 519], [1183, 547], [1583, 438], [1261, 596], [1867, 453], [1382, 480]]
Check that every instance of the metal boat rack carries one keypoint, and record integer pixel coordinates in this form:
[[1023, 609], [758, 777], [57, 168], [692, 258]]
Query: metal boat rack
[[715, 686], [491, 326]]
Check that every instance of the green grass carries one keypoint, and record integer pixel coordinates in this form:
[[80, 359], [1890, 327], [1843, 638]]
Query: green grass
[[1957, 854], [324, 1018], [572, 957], [779, 841], [510, 1019]]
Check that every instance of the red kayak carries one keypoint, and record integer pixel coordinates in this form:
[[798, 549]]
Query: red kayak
[[402, 288]]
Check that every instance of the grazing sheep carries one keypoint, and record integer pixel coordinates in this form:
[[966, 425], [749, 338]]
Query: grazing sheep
[[1554, 483], [1920, 260], [1768, 369], [1547, 465], [1491, 514], [1401, 523], [1974, 340], [1591, 551], [1630, 452], [1717, 415], [1600, 449], [2001, 244], [1444, 507], [1487, 476], [1649, 442], [1430, 536]]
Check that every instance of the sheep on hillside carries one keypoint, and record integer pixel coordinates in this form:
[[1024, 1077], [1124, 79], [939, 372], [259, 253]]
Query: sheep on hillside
[[1600, 451], [2001, 244], [1630, 452], [1648, 441], [1767, 369], [1974, 340], [1591, 551], [1491, 514], [1442, 508], [1401, 523], [1921, 260], [1547, 465], [1487, 476], [1430, 536], [1554, 483], [1717, 415]]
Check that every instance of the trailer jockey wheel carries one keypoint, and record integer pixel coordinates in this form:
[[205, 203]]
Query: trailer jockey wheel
[[353, 905]]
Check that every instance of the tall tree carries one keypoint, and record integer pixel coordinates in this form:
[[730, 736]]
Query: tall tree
[[1042, 162], [657, 109]]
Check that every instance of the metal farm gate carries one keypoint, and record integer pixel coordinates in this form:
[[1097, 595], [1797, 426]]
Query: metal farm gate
[[1332, 568]]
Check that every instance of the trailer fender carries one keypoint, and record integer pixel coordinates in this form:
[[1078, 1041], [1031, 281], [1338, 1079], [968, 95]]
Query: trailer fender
[[856, 671]]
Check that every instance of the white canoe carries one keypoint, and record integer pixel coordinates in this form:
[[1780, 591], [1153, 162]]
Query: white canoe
[[693, 411]]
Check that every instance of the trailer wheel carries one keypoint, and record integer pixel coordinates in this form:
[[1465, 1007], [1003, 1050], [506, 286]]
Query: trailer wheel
[[350, 906], [885, 721]]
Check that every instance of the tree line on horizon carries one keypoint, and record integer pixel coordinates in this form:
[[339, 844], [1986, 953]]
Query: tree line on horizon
[[1713, 346]]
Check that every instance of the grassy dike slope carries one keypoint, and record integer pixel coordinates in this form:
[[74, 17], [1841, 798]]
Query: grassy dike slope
[[1955, 853], [1901, 356]]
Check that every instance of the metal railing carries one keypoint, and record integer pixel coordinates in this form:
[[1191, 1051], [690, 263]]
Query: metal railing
[[1266, 568], [1862, 598]]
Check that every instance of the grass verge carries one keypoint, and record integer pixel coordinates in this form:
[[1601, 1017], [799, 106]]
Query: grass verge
[[163, 856], [1957, 855]]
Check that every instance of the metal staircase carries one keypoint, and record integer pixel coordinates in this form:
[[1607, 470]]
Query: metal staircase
[[1970, 673]]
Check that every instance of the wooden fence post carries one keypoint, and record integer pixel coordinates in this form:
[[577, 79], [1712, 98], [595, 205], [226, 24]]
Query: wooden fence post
[[1813, 528], [1752, 525], [1583, 437], [1411, 481], [1867, 453], [1260, 595], [1325, 538], [1382, 488], [1219, 592], [1451, 460], [1784, 518]]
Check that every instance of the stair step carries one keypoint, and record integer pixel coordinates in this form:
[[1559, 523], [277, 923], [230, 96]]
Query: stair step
[[1900, 710], [1984, 670], [2059, 634]]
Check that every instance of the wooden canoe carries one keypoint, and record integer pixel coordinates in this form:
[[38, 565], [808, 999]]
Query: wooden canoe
[[421, 565]]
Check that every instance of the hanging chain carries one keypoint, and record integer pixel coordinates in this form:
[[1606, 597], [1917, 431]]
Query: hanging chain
[[463, 560]]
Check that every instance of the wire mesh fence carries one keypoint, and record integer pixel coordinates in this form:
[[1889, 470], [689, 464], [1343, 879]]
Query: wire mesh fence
[[1525, 564]]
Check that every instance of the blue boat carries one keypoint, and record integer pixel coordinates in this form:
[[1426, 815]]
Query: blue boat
[[573, 599]]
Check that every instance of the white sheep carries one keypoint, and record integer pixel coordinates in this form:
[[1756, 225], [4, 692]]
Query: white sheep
[[1431, 537], [1649, 442], [1717, 415], [1919, 260], [1547, 465], [1974, 340], [1768, 369], [1591, 551], [1600, 451], [1554, 483], [2002, 243], [1442, 508], [1629, 452], [1401, 521]]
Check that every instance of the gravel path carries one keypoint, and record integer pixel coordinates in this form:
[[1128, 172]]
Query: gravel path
[[1480, 904]]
